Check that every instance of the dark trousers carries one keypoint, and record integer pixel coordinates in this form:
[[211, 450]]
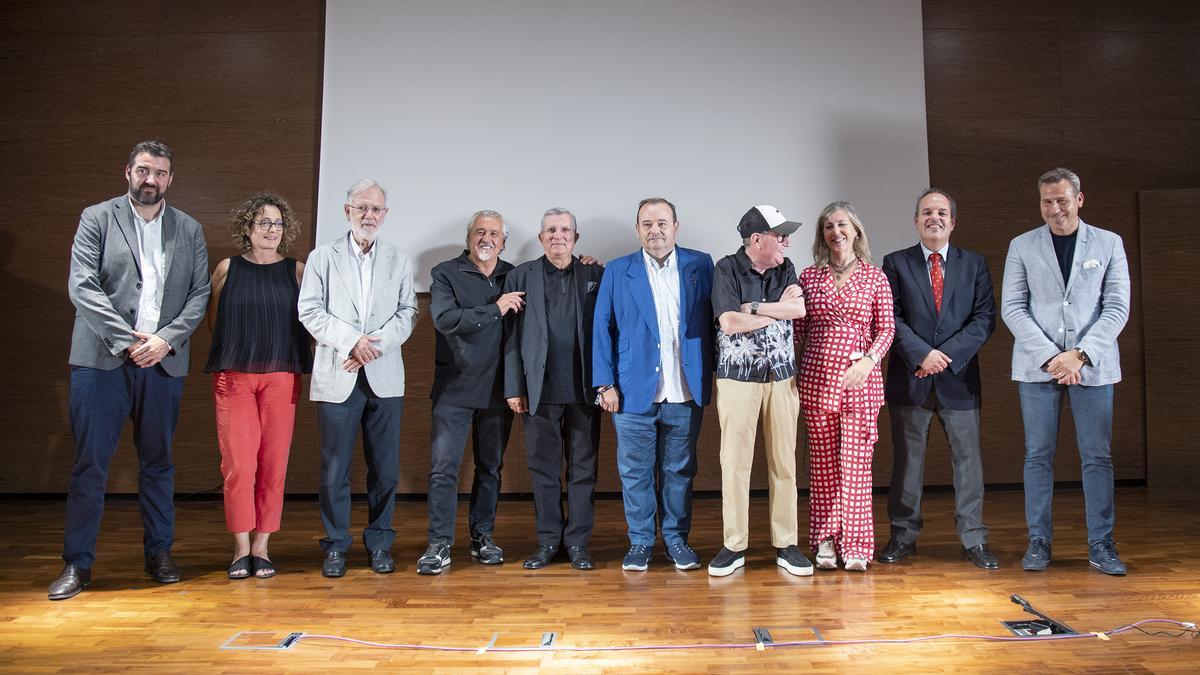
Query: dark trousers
[[100, 402], [910, 432], [552, 433], [338, 423], [489, 430]]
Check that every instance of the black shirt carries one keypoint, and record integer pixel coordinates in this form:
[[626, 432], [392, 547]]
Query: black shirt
[[563, 376], [765, 354], [258, 329], [468, 366], [1064, 248]]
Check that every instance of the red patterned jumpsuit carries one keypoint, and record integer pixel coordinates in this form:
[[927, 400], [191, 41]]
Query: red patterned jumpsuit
[[842, 425]]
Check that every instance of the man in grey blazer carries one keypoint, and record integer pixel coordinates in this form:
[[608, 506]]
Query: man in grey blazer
[[139, 283], [548, 381], [357, 301], [1066, 299]]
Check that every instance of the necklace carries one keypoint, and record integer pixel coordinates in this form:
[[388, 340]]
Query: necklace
[[842, 269]]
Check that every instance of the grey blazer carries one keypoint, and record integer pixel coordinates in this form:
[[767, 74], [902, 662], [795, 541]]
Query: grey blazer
[[106, 280], [1047, 317], [328, 308]]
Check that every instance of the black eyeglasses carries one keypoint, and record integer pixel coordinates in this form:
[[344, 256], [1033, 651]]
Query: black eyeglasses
[[265, 225]]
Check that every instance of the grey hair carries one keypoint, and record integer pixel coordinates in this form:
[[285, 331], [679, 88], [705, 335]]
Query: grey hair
[[861, 247], [1058, 175], [486, 213], [364, 184], [558, 211], [937, 191]]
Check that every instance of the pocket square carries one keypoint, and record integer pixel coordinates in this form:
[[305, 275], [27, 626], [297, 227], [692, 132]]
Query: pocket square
[[1091, 264], [591, 286]]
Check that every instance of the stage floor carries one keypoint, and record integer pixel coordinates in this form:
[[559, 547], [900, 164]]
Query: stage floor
[[126, 622]]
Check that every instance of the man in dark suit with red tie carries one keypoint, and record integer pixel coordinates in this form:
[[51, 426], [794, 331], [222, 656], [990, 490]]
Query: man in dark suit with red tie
[[944, 313]]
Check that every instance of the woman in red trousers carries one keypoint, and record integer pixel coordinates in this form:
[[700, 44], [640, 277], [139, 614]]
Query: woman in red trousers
[[848, 329], [259, 349]]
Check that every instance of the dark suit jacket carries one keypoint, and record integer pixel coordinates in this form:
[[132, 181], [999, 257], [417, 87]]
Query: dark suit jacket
[[966, 321], [527, 334], [625, 337]]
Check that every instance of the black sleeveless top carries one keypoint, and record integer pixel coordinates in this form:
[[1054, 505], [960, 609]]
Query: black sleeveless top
[[258, 329]]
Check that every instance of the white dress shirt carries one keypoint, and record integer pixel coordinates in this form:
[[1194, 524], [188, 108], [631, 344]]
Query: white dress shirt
[[664, 284], [365, 264], [152, 259]]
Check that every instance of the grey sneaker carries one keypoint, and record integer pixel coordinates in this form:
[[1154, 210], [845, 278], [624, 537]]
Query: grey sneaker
[[826, 555], [726, 562], [637, 559], [792, 560], [1037, 556], [683, 556], [436, 558], [485, 550], [1103, 556]]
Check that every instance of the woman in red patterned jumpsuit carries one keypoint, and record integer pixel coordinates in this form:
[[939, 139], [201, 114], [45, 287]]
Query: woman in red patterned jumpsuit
[[848, 328]]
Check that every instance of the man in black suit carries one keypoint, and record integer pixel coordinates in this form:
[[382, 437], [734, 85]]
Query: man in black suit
[[944, 313], [547, 380]]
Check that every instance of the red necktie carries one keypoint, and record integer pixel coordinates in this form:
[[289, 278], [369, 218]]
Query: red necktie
[[935, 277]]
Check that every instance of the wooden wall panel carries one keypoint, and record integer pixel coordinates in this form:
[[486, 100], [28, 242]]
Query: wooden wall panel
[[1170, 237], [1012, 89]]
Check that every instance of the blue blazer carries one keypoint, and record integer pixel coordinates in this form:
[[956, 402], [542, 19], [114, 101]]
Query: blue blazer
[[625, 329], [967, 320]]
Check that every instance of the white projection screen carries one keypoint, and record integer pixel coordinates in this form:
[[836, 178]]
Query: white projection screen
[[523, 105]]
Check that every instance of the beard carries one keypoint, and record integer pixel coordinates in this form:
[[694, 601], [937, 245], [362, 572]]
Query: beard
[[484, 255], [147, 195]]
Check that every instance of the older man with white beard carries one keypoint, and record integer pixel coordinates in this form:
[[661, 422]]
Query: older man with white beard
[[467, 303]]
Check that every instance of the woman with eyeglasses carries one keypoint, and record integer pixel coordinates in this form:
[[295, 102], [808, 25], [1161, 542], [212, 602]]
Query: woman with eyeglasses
[[259, 350]]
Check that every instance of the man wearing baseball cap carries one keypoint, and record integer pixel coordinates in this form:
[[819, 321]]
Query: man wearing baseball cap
[[755, 297]]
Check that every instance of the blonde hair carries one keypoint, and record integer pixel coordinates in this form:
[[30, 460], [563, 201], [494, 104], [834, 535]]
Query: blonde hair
[[820, 250]]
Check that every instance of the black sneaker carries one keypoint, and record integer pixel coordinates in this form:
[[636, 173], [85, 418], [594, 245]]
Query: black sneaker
[[726, 562], [1103, 556], [436, 558], [1037, 556], [792, 560], [485, 550]]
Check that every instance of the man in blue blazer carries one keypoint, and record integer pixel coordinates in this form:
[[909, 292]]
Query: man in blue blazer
[[652, 366], [944, 313], [1065, 299]]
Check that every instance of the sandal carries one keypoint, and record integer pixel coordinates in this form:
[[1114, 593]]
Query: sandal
[[263, 568], [240, 569]]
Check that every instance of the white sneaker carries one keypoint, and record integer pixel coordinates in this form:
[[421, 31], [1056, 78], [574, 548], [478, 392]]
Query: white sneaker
[[856, 564], [826, 555]]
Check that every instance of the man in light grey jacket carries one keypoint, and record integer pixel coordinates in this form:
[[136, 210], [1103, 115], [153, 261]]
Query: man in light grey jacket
[[357, 301], [1066, 299], [139, 283]]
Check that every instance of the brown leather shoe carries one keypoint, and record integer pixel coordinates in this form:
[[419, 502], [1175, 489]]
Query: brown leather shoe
[[70, 582], [162, 568]]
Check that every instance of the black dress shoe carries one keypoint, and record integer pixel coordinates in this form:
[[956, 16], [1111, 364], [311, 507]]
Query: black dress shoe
[[70, 582], [162, 568], [542, 557], [382, 563], [334, 565], [580, 558], [982, 557], [895, 551]]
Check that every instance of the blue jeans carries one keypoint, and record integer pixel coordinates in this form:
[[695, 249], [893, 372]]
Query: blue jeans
[[1041, 404], [656, 457]]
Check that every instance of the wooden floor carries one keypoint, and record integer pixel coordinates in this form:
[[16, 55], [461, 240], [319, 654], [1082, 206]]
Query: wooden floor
[[125, 622]]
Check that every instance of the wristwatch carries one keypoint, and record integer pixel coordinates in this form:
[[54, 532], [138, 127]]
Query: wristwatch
[[1083, 355], [754, 307]]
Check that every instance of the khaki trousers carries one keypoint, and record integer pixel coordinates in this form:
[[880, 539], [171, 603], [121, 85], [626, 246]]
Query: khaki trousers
[[739, 406]]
